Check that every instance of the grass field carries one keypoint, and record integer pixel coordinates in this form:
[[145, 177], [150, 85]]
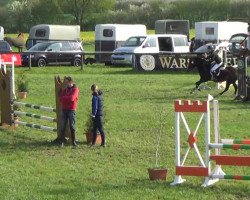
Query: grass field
[[32, 168]]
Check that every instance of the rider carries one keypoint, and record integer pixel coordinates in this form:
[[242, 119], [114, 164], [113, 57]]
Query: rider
[[217, 63]]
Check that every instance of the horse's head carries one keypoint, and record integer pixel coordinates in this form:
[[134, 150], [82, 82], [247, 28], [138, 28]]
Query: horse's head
[[20, 35]]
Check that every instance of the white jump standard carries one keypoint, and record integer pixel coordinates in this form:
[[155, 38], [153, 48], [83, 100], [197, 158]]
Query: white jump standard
[[204, 169]]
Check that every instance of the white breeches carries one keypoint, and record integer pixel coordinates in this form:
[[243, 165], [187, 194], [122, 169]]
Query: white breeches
[[216, 66]]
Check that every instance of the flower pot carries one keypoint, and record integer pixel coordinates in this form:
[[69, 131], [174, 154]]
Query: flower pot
[[89, 137], [157, 174], [22, 95]]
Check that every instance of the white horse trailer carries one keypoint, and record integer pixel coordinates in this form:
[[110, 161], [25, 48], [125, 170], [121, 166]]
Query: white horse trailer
[[1, 33], [170, 26], [46, 32], [108, 37], [217, 32]]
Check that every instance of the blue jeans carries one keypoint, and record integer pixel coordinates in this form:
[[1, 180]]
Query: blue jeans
[[98, 126], [68, 115]]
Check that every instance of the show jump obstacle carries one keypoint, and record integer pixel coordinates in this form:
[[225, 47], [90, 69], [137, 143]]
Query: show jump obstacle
[[204, 169], [8, 104]]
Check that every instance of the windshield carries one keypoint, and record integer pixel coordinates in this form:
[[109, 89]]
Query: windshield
[[134, 41], [39, 47], [180, 41]]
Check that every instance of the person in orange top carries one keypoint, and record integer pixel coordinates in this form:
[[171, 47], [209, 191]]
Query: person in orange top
[[69, 99]]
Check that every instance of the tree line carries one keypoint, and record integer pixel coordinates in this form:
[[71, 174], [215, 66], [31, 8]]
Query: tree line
[[20, 15]]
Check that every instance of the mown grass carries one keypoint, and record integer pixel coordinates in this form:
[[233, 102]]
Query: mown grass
[[32, 168]]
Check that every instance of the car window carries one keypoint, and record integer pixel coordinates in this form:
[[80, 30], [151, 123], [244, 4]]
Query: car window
[[151, 42], [66, 46], [165, 44], [39, 47], [55, 47], [71, 46], [134, 41], [180, 41]]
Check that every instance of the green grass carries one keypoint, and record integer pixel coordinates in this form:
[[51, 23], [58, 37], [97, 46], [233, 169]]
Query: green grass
[[32, 168]]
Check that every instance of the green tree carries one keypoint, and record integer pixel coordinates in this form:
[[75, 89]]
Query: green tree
[[85, 10]]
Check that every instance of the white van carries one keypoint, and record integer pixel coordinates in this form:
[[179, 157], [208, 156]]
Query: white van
[[108, 37], [173, 43], [47, 32]]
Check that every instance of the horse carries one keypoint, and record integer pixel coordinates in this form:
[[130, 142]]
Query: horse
[[229, 74], [18, 42]]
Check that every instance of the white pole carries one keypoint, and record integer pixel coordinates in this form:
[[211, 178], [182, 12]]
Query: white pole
[[216, 125], [12, 83]]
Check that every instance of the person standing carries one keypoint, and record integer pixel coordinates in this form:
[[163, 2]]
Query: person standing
[[69, 99], [97, 114]]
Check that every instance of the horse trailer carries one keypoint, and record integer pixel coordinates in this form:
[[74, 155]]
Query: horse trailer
[[108, 37], [46, 32], [1, 33], [170, 26], [217, 32]]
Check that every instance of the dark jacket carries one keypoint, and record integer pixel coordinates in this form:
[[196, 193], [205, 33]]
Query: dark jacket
[[97, 104], [214, 56], [69, 98]]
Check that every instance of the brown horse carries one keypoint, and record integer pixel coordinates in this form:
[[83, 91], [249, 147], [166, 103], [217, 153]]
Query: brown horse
[[229, 74], [18, 42]]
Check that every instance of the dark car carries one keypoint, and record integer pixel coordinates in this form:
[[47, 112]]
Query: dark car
[[5, 47], [54, 53]]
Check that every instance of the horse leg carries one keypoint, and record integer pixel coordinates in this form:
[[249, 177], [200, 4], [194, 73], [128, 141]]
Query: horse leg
[[226, 88], [197, 84], [235, 88]]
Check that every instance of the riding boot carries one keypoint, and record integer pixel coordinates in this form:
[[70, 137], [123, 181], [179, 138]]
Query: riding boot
[[214, 76], [73, 138]]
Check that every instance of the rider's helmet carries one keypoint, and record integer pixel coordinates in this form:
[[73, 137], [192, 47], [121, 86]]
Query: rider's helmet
[[210, 49]]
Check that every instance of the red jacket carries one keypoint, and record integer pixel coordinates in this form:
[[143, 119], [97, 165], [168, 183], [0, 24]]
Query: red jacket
[[69, 98]]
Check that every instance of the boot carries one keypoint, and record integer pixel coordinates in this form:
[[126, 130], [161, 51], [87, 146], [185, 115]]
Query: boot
[[73, 137], [213, 76]]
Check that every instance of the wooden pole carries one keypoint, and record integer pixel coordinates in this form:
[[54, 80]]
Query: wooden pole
[[5, 96], [59, 86]]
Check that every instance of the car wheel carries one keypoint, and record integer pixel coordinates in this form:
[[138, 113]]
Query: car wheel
[[77, 62], [41, 62]]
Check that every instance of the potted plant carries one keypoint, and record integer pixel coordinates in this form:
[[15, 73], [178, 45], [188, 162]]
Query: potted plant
[[89, 131], [22, 86], [157, 172]]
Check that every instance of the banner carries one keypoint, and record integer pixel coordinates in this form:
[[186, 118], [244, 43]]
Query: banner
[[166, 61], [8, 58]]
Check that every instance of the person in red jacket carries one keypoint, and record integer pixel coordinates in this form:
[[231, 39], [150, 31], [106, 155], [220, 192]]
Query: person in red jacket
[[68, 99]]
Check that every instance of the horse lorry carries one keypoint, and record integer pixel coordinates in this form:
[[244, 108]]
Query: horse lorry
[[217, 31], [1, 33], [109, 37], [170, 26], [47, 32]]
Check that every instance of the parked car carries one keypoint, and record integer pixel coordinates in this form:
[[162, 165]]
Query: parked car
[[174, 43], [5, 47], [54, 53]]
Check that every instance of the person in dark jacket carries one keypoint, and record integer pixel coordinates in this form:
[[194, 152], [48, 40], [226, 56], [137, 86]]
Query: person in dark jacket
[[97, 114], [69, 99], [216, 65]]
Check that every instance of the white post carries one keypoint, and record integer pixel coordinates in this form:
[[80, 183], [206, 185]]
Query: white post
[[12, 84], [208, 180], [216, 125], [178, 179]]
